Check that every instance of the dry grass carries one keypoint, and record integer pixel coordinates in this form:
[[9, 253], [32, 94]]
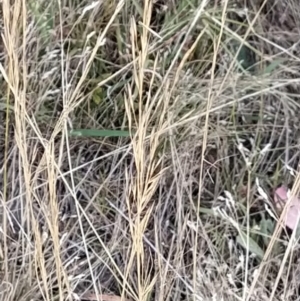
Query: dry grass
[[175, 211]]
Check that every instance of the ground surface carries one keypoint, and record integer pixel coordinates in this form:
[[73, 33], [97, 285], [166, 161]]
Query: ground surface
[[140, 145]]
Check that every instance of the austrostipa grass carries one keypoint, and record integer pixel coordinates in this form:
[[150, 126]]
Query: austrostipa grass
[[140, 146]]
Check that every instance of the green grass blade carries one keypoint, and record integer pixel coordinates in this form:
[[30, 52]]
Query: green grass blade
[[99, 133], [272, 66], [253, 246], [4, 106]]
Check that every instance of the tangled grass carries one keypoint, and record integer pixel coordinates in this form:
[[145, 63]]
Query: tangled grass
[[140, 145]]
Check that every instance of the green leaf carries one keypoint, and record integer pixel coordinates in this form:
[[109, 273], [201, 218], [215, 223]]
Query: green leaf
[[272, 66], [138, 8], [3, 106], [246, 57], [98, 95], [253, 246], [207, 211], [267, 227], [99, 133]]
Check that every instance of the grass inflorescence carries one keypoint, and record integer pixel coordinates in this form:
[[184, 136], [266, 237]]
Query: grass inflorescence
[[140, 146]]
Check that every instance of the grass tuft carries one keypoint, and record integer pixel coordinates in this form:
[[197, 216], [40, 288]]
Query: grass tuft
[[140, 146]]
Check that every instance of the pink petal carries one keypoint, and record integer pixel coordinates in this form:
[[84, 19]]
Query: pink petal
[[281, 192], [280, 196]]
